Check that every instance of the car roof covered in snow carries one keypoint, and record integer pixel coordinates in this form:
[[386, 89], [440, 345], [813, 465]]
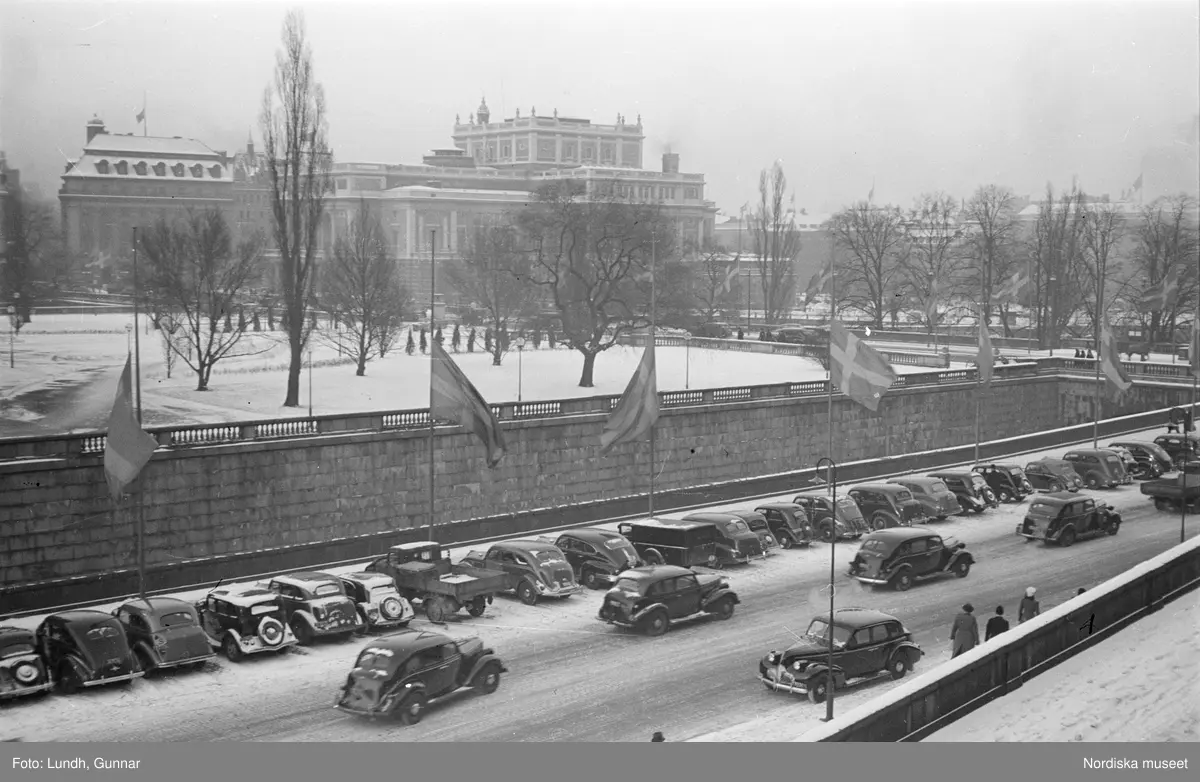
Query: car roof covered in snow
[[407, 642], [244, 594], [157, 606]]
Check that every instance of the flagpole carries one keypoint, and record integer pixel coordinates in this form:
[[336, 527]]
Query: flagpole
[[1096, 336], [653, 314], [139, 508], [829, 351], [432, 287]]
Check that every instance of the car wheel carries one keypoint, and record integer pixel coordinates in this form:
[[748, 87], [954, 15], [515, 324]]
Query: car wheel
[[366, 625], [818, 689], [941, 518], [303, 633], [487, 680], [656, 624], [527, 594], [652, 557], [1113, 529], [1006, 495], [715, 563], [827, 532], [1093, 482], [902, 582], [68, 680], [232, 651], [724, 608], [143, 662], [391, 608], [962, 568], [435, 611], [786, 541], [1161, 505], [882, 521], [898, 665], [25, 674], [1067, 538], [591, 579], [412, 708], [477, 606], [966, 508]]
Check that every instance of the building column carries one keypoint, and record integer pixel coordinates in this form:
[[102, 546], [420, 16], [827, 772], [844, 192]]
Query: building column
[[453, 237]]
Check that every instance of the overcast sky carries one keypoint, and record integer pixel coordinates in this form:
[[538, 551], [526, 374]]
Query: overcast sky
[[915, 96]]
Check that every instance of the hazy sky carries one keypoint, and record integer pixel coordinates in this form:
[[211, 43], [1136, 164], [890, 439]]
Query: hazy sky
[[916, 96]]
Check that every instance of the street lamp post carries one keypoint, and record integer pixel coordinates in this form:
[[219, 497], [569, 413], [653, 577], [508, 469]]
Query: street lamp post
[[520, 343], [129, 337], [1051, 334], [831, 471], [12, 334]]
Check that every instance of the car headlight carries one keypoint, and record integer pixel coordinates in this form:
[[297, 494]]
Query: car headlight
[[318, 613], [798, 665]]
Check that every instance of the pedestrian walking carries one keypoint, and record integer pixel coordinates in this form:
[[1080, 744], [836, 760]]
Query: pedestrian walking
[[965, 632], [996, 625], [1029, 606]]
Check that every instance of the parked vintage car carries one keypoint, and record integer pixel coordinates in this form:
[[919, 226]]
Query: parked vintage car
[[681, 543], [380, 605], [847, 524], [422, 571], [649, 599], [1153, 459], [787, 522], [733, 531], [1132, 467], [970, 488], [1171, 493], [242, 619], [1062, 518], [316, 606], [85, 649], [886, 505], [757, 523], [936, 499], [1053, 475], [22, 670], [164, 632], [596, 555], [1099, 468], [901, 556], [535, 569], [866, 643], [1180, 447], [399, 673], [1007, 481]]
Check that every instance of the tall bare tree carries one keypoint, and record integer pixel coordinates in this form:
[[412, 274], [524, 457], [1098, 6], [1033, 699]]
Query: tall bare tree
[[933, 260], [31, 246], [1057, 246], [591, 253], [870, 245], [297, 160], [776, 243], [1103, 233], [197, 275], [718, 286], [361, 287], [495, 271], [992, 237], [1166, 244]]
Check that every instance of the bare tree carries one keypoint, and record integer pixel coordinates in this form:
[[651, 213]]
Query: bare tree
[[361, 287], [495, 271], [31, 246], [1166, 244], [991, 243], [776, 243], [870, 244], [1057, 247], [718, 286], [1104, 231], [197, 276], [933, 261], [297, 160], [591, 253]]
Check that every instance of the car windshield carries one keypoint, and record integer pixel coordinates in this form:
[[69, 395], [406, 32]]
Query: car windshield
[[373, 659], [874, 547], [102, 632], [175, 619], [1112, 459], [623, 546], [382, 589], [548, 556], [1016, 472], [819, 631], [327, 590], [849, 508], [1043, 510], [734, 527], [629, 585], [938, 487], [261, 609], [12, 650], [903, 496]]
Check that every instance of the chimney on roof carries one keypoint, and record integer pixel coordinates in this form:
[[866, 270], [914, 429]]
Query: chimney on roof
[[95, 127], [670, 163]]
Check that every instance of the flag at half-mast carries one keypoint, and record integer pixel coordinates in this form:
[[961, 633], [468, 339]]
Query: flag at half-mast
[[454, 398], [127, 447], [985, 361], [819, 283], [1013, 289], [637, 409], [727, 285], [1162, 295], [856, 369], [1194, 347], [1115, 379]]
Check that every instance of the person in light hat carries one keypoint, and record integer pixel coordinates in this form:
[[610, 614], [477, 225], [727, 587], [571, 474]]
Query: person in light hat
[[1029, 606]]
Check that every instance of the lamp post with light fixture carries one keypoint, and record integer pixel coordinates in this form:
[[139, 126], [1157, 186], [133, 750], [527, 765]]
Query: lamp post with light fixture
[[520, 343], [831, 471]]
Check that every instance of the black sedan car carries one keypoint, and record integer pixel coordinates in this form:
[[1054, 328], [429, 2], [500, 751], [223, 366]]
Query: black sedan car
[[596, 555], [164, 632], [86, 649]]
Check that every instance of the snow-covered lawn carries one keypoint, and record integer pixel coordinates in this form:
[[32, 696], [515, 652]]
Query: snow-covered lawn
[[1142, 684], [84, 353]]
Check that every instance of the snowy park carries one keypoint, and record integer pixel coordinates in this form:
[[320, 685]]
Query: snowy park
[[66, 368]]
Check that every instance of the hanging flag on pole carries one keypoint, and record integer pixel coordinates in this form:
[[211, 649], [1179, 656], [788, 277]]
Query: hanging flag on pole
[[931, 305], [818, 284], [453, 398], [1162, 295], [1012, 289], [127, 447], [871, 195], [1110, 365], [729, 275], [1194, 347], [637, 409], [857, 369], [1137, 184], [985, 361]]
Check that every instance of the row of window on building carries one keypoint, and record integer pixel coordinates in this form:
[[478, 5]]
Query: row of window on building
[[121, 168]]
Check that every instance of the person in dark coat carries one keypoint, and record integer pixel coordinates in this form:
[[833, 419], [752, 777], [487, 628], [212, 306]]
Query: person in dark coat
[[658, 736], [965, 632], [1029, 606], [996, 625]]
